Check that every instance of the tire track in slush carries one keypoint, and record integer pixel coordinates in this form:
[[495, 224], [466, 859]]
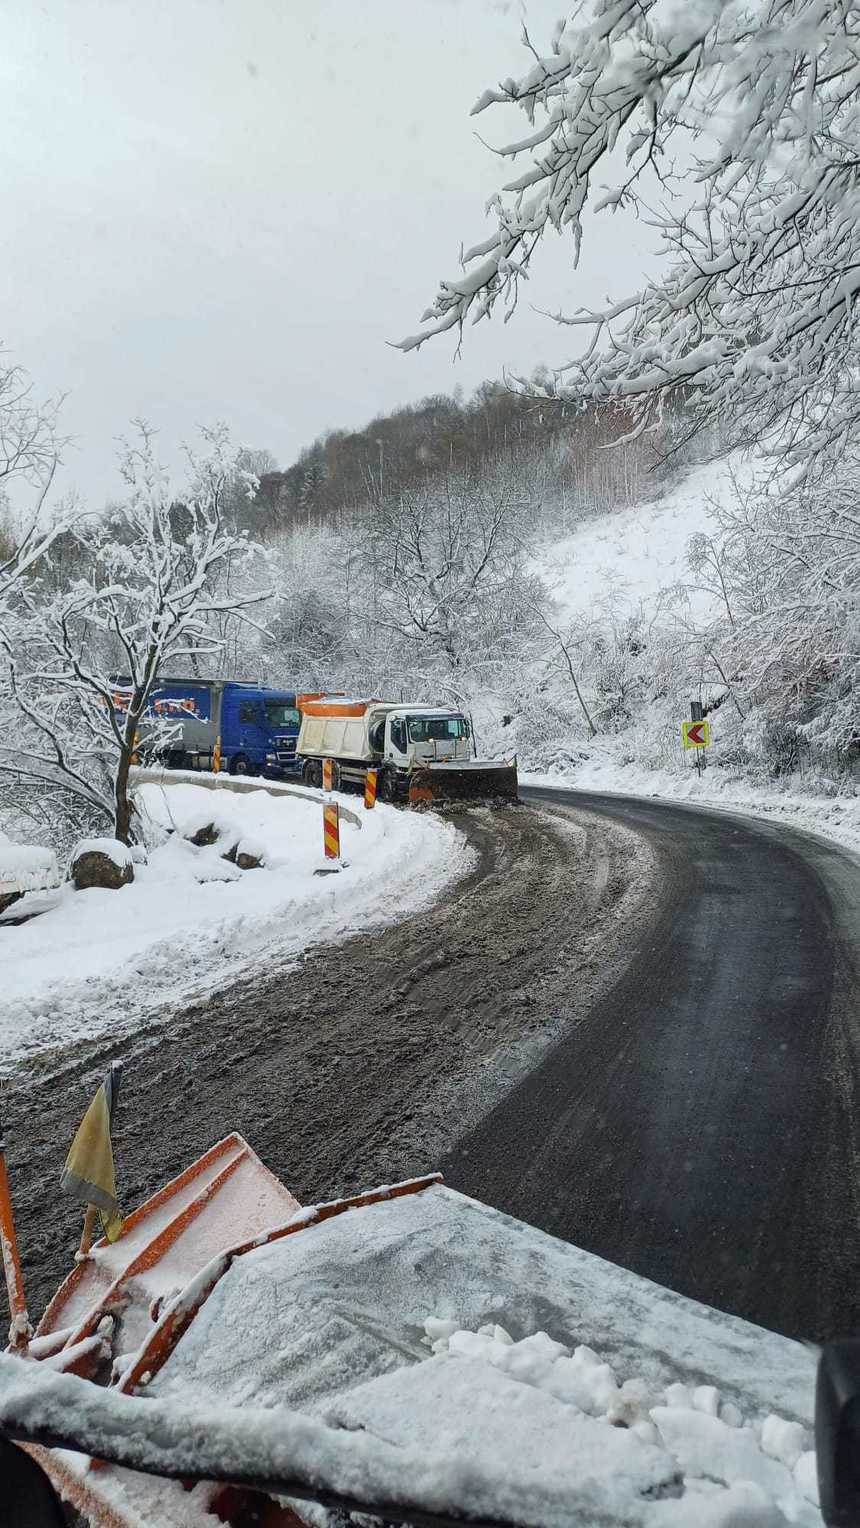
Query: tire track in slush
[[364, 1062]]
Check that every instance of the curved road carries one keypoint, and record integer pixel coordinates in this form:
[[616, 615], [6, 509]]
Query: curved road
[[701, 1124], [684, 1021]]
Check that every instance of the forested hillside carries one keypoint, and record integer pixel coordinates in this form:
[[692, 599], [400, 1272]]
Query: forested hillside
[[552, 439]]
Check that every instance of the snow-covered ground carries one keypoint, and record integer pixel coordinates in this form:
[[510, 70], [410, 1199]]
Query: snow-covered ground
[[99, 960], [632, 557], [836, 817]]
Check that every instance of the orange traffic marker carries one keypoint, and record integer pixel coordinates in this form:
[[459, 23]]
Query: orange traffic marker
[[328, 771], [331, 830], [370, 781], [20, 1331], [216, 757]]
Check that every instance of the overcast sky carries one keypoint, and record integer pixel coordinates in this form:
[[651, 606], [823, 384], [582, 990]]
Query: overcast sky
[[223, 209]]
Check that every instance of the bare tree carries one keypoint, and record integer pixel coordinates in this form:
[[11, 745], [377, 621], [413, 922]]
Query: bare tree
[[445, 566], [29, 455], [82, 662]]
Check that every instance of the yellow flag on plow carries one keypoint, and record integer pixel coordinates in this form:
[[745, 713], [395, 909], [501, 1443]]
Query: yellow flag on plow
[[89, 1172]]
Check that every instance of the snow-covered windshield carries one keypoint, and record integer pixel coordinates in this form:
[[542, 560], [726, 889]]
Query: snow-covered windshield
[[278, 714], [437, 729]]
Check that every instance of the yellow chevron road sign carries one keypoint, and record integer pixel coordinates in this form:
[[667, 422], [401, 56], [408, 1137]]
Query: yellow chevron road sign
[[696, 734]]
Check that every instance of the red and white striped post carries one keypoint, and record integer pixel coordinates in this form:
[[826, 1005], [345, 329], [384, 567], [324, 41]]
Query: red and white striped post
[[331, 830], [20, 1330], [370, 783], [331, 814]]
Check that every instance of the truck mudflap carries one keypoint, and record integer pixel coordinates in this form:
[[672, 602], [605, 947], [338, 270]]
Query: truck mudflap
[[469, 781]]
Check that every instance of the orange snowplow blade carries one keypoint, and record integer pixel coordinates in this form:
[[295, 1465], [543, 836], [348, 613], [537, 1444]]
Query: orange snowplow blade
[[227, 1194], [473, 781]]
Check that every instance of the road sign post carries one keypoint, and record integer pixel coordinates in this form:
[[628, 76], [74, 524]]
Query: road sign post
[[696, 734]]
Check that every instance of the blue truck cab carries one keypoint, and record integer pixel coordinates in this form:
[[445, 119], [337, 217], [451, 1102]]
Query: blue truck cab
[[256, 726], [259, 729]]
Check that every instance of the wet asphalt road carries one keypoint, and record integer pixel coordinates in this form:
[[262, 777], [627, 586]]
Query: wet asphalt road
[[701, 1124]]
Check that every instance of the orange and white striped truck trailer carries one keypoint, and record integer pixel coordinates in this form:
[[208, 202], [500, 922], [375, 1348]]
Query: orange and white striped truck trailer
[[422, 754]]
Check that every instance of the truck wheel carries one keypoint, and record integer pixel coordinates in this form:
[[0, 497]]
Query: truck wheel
[[387, 788], [240, 764], [312, 773]]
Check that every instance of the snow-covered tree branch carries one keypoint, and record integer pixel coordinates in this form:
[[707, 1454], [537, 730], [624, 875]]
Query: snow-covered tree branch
[[753, 316]]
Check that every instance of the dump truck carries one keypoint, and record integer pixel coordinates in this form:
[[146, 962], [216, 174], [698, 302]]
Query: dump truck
[[422, 754]]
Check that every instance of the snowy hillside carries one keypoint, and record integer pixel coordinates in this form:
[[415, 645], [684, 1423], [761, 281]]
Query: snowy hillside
[[639, 556], [672, 601]]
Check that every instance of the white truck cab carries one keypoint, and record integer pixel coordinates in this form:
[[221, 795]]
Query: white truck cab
[[424, 735], [393, 739]]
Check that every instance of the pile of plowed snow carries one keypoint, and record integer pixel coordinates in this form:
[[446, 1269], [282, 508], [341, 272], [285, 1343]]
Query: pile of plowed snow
[[192, 920]]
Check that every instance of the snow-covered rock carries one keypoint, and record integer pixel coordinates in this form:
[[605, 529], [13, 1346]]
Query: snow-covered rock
[[206, 827], [29, 867], [250, 854], [103, 863]]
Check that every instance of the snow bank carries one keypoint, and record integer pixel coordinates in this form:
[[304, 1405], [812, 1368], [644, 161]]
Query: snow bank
[[636, 560], [834, 817], [26, 867], [191, 921]]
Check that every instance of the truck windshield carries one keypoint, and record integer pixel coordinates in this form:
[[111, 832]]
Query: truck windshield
[[279, 714], [437, 729]]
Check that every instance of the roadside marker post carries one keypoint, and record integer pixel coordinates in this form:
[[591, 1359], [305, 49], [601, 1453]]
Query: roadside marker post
[[370, 781], [331, 823], [20, 1330], [331, 830], [216, 757]]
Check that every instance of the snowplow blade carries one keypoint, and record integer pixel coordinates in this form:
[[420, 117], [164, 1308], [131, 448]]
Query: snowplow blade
[[478, 781]]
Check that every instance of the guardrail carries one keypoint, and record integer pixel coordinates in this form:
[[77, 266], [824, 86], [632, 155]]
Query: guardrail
[[239, 784]]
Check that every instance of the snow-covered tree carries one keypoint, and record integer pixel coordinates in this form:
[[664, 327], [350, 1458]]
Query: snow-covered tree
[[29, 454], [741, 119], [83, 659], [791, 561], [445, 572]]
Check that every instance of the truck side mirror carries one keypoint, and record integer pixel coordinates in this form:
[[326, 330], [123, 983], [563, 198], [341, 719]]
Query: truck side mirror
[[837, 1432]]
